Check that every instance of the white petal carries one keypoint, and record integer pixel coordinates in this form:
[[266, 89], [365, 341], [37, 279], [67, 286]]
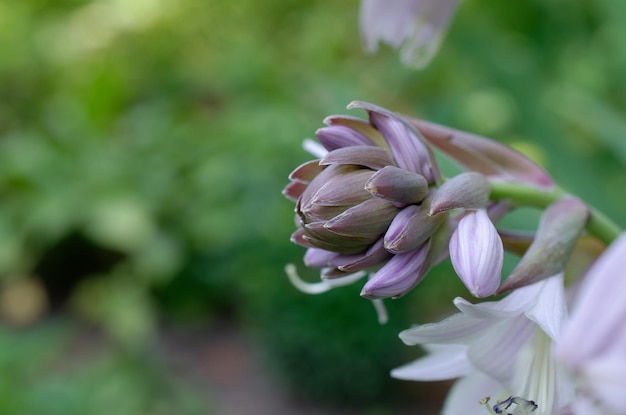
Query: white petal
[[464, 396], [495, 352], [457, 328], [550, 309], [441, 363]]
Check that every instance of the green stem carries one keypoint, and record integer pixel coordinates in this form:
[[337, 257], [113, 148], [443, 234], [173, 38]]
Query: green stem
[[599, 225]]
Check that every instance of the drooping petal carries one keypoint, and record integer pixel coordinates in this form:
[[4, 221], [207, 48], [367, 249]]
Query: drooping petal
[[483, 155], [401, 187], [442, 362], [467, 190], [322, 286], [559, 229], [477, 254]]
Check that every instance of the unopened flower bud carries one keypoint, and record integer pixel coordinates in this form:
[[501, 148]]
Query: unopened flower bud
[[411, 227], [477, 254], [399, 186], [559, 229], [467, 190], [350, 199]]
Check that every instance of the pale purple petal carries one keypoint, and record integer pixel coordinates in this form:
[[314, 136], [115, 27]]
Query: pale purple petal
[[600, 309], [411, 227], [605, 377], [477, 254], [442, 362], [417, 26]]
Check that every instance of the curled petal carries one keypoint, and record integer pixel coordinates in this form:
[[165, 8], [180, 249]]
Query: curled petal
[[477, 254], [467, 190], [371, 157], [484, 155], [359, 125], [399, 186], [559, 229], [322, 286], [401, 273]]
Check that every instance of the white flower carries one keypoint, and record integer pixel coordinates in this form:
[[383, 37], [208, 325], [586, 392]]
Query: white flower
[[417, 26], [499, 349], [593, 345]]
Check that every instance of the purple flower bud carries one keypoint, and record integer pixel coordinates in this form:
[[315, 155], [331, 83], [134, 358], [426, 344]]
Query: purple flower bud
[[401, 273], [559, 229], [411, 227], [407, 146], [467, 190], [477, 254], [399, 186], [348, 201]]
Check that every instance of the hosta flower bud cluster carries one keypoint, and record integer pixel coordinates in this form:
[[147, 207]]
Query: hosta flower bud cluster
[[375, 201]]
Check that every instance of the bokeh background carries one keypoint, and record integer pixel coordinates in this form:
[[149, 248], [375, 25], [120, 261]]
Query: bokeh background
[[143, 148]]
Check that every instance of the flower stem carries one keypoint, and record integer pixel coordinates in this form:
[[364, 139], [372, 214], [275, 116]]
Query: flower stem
[[599, 225]]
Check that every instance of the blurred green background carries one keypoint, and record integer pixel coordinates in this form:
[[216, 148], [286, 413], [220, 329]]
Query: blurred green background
[[143, 148]]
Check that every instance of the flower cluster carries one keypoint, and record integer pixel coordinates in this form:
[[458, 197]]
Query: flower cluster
[[375, 204], [376, 201]]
